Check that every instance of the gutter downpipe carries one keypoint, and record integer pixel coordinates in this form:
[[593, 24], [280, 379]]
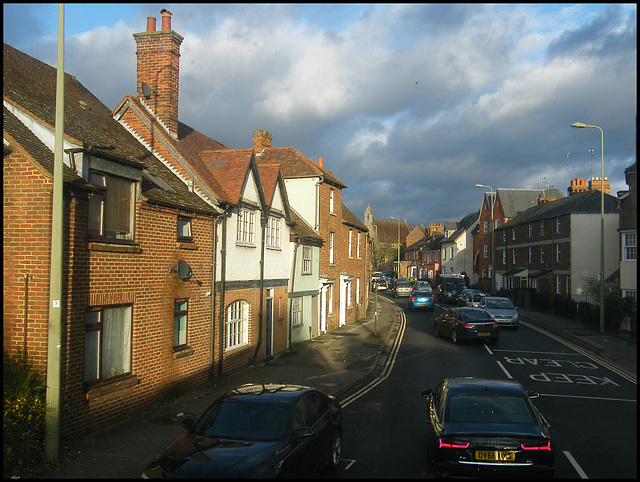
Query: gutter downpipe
[[223, 278], [263, 223], [214, 229]]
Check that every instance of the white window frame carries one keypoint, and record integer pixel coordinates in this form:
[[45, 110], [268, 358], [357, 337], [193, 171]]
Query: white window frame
[[629, 247], [530, 230], [296, 311], [513, 256], [542, 228], [273, 233], [236, 325], [558, 252], [504, 257], [307, 260], [557, 225], [246, 227], [485, 251], [350, 243], [530, 254], [542, 255], [486, 227], [331, 206], [331, 247], [358, 246], [111, 216]]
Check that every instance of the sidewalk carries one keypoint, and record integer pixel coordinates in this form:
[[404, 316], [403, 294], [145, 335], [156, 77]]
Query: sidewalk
[[335, 363]]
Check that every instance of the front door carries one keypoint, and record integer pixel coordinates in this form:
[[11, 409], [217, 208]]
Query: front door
[[269, 323]]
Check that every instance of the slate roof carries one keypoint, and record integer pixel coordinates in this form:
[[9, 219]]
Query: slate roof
[[464, 224], [588, 202], [30, 85], [514, 201]]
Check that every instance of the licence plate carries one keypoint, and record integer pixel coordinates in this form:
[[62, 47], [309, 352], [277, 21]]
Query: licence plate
[[484, 334], [496, 456]]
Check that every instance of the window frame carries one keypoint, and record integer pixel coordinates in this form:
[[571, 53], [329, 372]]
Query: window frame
[[239, 336], [126, 344], [307, 260], [106, 205], [178, 315], [185, 238], [629, 247], [245, 232], [297, 311], [273, 233]]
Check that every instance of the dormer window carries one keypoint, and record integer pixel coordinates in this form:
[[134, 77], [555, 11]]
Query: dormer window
[[111, 207]]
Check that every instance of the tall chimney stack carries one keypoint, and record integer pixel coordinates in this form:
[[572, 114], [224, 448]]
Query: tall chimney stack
[[158, 65], [321, 162]]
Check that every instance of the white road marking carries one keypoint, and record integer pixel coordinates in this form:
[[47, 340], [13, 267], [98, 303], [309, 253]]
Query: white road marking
[[589, 398], [505, 370], [575, 465], [351, 462]]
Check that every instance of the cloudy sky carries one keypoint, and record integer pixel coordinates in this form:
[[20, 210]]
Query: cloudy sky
[[409, 105]]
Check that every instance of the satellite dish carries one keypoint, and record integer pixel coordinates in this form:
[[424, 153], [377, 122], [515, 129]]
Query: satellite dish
[[146, 90], [184, 271]]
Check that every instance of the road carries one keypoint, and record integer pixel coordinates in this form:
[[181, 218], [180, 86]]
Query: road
[[592, 408]]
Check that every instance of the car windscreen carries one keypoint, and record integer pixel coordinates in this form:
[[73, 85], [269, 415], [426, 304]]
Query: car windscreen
[[489, 409], [505, 304], [237, 420], [457, 284]]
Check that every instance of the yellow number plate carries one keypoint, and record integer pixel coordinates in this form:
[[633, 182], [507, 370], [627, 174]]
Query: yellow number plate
[[484, 334], [496, 456]]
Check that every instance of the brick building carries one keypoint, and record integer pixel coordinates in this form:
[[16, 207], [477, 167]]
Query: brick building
[[136, 317], [628, 202]]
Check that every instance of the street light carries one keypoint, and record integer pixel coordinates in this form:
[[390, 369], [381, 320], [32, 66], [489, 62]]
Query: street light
[[493, 268], [398, 244], [581, 125]]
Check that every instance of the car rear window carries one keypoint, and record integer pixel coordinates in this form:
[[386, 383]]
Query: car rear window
[[422, 293], [500, 304], [475, 316], [478, 409]]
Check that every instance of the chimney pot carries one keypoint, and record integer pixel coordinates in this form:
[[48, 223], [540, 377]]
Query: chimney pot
[[166, 19], [151, 24], [321, 162]]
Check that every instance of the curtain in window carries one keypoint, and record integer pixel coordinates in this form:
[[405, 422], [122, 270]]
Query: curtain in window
[[116, 347], [119, 208]]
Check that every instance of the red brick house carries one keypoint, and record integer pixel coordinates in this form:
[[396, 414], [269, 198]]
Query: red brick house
[[136, 310], [250, 277]]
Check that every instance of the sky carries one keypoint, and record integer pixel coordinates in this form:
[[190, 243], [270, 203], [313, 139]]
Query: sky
[[410, 105]]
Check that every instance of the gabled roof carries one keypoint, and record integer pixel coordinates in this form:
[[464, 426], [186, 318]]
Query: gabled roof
[[464, 224], [386, 231], [230, 168], [514, 201], [300, 228], [588, 202], [294, 164], [30, 88], [185, 150]]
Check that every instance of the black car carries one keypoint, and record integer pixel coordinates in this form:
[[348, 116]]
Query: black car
[[484, 426], [255, 431], [466, 324], [451, 289]]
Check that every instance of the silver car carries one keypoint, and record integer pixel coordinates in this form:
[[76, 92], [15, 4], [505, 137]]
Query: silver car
[[401, 288], [473, 297], [502, 309]]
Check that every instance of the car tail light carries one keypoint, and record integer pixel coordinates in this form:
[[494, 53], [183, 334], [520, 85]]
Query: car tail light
[[467, 325], [452, 444], [495, 324], [413, 298], [546, 446]]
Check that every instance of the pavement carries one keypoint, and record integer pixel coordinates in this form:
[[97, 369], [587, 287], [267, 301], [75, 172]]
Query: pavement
[[337, 363]]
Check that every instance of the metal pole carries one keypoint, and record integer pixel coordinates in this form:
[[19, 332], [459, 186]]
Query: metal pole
[[52, 420], [602, 234]]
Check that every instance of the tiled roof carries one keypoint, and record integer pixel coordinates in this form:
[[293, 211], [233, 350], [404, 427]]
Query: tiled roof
[[295, 164], [269, 178], [30, 85], [229, 167], [349, 218], [301, 228]]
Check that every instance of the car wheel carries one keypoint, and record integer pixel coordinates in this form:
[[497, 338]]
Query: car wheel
[[436, 330], [335, 451], [454, 336]]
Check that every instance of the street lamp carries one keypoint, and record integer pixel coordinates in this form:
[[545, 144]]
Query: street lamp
[[398, 244], [493, 268], [581, 125]]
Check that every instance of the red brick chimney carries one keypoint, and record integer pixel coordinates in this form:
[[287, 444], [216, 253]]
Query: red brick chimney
[[158, 55], [261, 140], [321, 162], [578, 185], [596, 185]]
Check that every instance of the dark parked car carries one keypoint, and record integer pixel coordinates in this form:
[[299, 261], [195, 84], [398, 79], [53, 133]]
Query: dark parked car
[[472, 298], [256, 431], [466, 324], [480, 427], [379, 283], [421, 298]]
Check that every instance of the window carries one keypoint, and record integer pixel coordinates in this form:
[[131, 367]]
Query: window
[[629, 247], [486, 227], [504, 235], [541, 228], [558, 285], [111, 207], [504, 257], [484, 273], [330, 298], [513, 255], [107, 343], [358, 246], [236, 324], [530, 230], [444, 254], [331, 248], [331, 211], [273, 233], [306, 259], [485, 251], [349, 295], [557, 225], [557, 253], [245, 226], [350, 242], [496, 223], [542, 254], [513, 234], [184, 229], [180, 308], [530, 254], [296, 311], [357, 291]]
